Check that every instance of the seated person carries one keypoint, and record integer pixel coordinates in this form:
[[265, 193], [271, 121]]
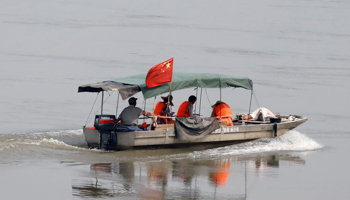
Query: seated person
[[186, 108], [223, 111], [163, 109], [130, 114]]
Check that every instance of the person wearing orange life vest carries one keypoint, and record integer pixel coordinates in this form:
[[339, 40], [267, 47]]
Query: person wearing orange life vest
[[223, 111], [162, 109], [186, 108]]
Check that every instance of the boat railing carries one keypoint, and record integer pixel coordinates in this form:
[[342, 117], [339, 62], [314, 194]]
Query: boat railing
[[222, 123], [160, 127]]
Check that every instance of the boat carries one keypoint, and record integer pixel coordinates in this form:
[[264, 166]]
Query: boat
[[105, 135]]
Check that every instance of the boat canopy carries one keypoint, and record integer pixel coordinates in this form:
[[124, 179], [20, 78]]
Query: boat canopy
[[131, 85]]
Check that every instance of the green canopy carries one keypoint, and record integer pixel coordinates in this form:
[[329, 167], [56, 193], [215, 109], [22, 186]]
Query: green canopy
[[129, 86]]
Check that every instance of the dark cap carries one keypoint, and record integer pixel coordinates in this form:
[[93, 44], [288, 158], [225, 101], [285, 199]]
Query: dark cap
[[132, 101], [192, 98]]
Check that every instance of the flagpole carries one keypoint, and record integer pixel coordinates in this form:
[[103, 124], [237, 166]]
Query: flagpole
[[154, 103], [160, 74], [167, 105], [169, 90], [153, 121]]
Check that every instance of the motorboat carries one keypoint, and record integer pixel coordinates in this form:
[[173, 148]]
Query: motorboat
[[104, 133]]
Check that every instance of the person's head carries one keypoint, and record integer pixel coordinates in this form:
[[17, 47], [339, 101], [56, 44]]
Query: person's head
[[218, 102], [168, 98], [192, 99], [132, 101]]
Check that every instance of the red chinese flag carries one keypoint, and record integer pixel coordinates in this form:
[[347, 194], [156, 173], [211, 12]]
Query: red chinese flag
[[160, 74]]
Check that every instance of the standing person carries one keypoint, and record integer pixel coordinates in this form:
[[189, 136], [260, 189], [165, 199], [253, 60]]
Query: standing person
[[186, 108], [223, 111], [162, 109], [130, 114]]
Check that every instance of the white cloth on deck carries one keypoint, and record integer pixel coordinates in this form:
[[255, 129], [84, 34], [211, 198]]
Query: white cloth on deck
[[262, 114]]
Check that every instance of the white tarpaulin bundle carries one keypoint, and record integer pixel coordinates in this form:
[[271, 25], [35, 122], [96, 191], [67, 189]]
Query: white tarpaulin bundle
[[262, 114]]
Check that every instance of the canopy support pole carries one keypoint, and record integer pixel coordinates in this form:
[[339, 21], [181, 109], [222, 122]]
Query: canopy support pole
[[116, 112], [250, 104], [87, 120], [102, 103], [200, 103], [144, 108], [195, 108], [220, 99]]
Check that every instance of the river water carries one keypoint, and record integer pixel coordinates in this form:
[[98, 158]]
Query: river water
[[296, 53]]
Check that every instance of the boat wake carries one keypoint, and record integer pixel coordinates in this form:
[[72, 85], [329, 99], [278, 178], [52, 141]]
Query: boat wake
[[57, 143], [291, 141], [64, 139]]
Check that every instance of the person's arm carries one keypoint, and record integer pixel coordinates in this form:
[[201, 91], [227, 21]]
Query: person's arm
[[145, 113], [118, 120], [190, 110]]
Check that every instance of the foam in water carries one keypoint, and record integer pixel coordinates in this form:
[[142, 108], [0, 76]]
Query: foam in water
[[54, 143], [7, 147], [291, 141], [66, 139]]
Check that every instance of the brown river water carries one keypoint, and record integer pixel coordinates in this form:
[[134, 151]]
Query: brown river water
[[296, 53]]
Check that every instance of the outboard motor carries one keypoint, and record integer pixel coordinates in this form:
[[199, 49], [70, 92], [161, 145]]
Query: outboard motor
[[105, 125]]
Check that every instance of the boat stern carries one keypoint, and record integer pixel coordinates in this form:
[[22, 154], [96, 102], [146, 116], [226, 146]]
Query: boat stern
[[92, 137]]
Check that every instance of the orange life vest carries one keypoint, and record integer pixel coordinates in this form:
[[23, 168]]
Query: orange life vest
[[158, 111], [159, 108], [182, 111], [224, 110]]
